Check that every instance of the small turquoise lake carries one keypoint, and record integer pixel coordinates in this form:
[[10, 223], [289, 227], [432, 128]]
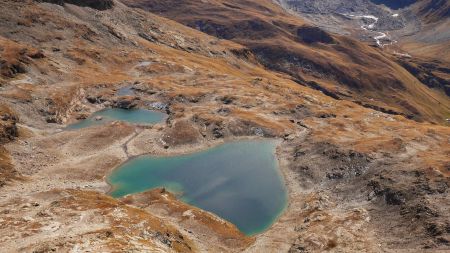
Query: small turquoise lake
[[238, 181], [134, 116]]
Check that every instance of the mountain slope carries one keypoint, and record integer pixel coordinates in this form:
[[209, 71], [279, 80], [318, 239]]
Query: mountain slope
[[433, 10], [433, 38], [341, 67]]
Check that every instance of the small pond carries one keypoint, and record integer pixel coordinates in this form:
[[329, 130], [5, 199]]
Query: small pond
[[238, 181], [134, 116], [125, 91]]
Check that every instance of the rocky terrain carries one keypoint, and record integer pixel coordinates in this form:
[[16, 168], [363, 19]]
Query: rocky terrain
[[364, 146], [320, 11], [403, 18]]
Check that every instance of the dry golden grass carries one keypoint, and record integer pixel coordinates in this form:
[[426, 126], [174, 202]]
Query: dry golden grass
[[362, 72], [131, 222], [369, 132]]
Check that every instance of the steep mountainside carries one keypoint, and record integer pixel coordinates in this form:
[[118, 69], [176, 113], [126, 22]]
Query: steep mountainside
[[415, 32], [357, 179], [433, 10], [338, 66], [432, 40]]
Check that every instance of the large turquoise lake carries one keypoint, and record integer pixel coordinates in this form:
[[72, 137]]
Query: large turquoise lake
[[134, 116], [238, 181]]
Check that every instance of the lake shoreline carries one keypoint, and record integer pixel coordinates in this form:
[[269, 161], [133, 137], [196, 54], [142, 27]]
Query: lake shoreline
[[265, 170]]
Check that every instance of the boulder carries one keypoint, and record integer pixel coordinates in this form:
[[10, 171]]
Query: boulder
[[125, 102]]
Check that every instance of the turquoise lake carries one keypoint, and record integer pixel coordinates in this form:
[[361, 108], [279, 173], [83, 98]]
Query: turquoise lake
[[134, 116], [238, 181]]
